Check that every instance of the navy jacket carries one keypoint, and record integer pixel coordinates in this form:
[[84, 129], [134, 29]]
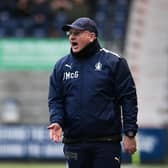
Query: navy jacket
[[88, 94]]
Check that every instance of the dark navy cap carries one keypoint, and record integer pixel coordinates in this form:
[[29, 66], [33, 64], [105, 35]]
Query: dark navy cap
[[82, 23]]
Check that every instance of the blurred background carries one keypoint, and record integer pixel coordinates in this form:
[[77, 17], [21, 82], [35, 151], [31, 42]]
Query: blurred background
[[31, 41]]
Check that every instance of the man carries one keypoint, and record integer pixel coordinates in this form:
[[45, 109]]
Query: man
[[91, 95]]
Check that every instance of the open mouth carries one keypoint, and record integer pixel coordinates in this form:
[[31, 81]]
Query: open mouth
[[74, 44]]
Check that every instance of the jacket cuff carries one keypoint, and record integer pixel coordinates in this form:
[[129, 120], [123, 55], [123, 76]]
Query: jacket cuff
[[58, 122], [130, 134]]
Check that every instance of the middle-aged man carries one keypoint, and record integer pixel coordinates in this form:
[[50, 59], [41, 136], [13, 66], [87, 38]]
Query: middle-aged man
[[92, 96]]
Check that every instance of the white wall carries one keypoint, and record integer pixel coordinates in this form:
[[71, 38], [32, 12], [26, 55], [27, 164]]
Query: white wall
[[147, 53]]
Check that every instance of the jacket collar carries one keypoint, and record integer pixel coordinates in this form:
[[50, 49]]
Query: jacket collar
[[88, 51]]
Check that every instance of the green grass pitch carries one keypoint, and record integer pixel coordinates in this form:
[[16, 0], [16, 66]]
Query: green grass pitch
[[62, 165]]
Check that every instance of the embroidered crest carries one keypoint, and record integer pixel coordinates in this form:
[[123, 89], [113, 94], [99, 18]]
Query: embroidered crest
[[98, 66]]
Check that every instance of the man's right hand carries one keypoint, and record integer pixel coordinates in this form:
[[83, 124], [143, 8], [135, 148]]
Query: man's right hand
[[55, 132]]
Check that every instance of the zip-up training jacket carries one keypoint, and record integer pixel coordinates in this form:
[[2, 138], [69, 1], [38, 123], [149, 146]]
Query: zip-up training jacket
[[93, 96]]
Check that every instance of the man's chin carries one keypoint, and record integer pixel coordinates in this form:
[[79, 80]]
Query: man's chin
[[76, 50]]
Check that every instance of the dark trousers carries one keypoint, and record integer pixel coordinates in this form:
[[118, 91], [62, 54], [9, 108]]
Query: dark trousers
[[93, 155]]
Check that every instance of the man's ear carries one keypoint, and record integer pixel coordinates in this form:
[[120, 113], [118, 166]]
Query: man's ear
[[92, 37]]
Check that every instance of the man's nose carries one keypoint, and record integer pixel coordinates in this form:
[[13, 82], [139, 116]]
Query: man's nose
[[71, 36]]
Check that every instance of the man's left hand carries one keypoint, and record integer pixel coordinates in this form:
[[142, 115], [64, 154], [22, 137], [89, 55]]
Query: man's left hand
[[129, 144]]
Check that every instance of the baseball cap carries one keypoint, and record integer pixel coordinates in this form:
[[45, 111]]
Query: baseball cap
[[83, 23]]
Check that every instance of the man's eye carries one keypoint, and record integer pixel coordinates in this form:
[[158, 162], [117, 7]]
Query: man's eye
[[75, 33]]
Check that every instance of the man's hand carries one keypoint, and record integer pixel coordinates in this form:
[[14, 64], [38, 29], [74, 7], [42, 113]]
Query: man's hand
[[55, 132], [129, 144]]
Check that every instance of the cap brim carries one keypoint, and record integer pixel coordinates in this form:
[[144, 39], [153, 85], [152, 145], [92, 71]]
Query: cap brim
[[68, 27]]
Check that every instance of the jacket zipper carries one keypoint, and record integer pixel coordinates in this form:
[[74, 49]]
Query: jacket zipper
[[81, 95]]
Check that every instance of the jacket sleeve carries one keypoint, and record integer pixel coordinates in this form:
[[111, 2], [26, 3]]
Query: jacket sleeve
[[126, 93], [55, 98]]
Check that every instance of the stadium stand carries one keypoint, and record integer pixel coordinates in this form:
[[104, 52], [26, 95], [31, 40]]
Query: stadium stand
[[43, 19], [39, 18]]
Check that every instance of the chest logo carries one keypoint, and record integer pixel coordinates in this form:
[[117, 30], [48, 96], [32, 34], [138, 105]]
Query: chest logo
[[68, 66], [98, 66], [70, 75]]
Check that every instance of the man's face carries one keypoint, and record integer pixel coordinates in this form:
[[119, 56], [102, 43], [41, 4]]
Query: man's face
[[79, 39]]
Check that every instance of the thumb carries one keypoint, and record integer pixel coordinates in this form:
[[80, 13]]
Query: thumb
[[51, 126]]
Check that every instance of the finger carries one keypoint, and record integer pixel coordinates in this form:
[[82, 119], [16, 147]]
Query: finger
[[50, 126], [60, 138], [56, 138], [130, 150], [51, 134]]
